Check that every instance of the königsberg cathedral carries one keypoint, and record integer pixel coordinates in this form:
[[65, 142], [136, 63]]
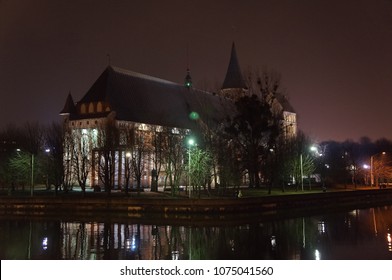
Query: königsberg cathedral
[[113, 133]]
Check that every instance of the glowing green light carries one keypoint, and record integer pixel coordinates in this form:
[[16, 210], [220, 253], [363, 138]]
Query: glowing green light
[[191, 142], [194, 115]]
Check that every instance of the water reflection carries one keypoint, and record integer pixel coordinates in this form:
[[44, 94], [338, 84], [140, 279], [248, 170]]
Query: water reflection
[[358, 234]]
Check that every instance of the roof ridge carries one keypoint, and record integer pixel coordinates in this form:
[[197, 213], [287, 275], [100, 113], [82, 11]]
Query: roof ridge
[[141, 75]]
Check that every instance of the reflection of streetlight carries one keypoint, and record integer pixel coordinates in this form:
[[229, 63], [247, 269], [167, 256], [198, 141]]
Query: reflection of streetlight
[[175, 255], [317, 255], [191, 142]]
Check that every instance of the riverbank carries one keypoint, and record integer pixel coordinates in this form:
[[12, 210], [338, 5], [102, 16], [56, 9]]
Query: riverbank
[[162, 206]]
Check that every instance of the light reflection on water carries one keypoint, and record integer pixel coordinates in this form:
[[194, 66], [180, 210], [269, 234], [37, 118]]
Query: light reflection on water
[[358, 234]]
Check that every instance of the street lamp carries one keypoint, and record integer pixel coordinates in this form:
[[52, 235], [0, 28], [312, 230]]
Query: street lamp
[[18, 150], [366, 167], [191, 142], [47, 151], [32, 175], [127, 170], [313, 149], [302, 171]]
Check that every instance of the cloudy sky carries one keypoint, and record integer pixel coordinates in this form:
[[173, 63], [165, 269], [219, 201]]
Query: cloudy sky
[[334, 57]]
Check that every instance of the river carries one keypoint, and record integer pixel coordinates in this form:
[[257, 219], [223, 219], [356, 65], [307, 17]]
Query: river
[[356, 234]]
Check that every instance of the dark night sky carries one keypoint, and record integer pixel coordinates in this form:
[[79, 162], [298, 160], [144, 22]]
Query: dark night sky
[[335, 57]]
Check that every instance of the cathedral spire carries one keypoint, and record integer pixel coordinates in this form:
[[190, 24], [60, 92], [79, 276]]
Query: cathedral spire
[[234, 77], [188, 78]]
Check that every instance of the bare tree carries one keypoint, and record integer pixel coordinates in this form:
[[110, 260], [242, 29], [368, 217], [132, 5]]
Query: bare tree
[[69, 144], [199, 168], [139, 154], [81, 160], [175, 154], [108, 145], [159, 148], [32, 140], [382, 168], [54, 141]]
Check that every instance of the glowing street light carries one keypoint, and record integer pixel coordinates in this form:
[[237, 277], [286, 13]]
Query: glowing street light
[[47, 151], [127, 170]]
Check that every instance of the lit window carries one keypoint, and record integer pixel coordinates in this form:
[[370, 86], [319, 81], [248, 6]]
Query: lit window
[[91, 108], [99, 107], [143, 127], [175, 130]]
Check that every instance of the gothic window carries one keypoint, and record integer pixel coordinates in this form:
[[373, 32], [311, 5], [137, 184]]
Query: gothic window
[[91, 108], [99, 107]]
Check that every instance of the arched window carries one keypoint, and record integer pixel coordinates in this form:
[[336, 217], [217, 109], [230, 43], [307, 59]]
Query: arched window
[[91, 108], [99, 107], [83, 109]]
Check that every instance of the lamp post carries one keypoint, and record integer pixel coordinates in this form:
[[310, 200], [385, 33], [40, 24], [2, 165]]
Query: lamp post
[[127, 171], [313, 149], [191, 142], [366, 179], [47, 151], [302, 171], [319, 153], [32, 175]]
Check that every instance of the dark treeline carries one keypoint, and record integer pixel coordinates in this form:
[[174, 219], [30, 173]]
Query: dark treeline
[[350, 162], [31, 154]]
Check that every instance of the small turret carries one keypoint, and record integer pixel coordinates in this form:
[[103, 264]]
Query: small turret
[[69, 106], [188, 79]]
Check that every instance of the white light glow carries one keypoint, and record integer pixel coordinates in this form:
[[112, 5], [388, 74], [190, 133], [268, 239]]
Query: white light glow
[[45, 243], [317, 255]]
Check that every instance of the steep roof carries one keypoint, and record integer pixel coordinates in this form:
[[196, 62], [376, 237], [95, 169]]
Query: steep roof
[[284, 102], [233, 77], [141, 98], [69, 106]]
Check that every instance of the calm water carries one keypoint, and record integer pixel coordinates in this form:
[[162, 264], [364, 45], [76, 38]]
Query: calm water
[[358, 234]]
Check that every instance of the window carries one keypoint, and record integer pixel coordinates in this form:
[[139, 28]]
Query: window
[[91, 108], [143, 127], [99, 107], [83, 109]]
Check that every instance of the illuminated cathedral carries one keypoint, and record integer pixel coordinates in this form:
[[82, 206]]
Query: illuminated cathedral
[[140, 107]]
